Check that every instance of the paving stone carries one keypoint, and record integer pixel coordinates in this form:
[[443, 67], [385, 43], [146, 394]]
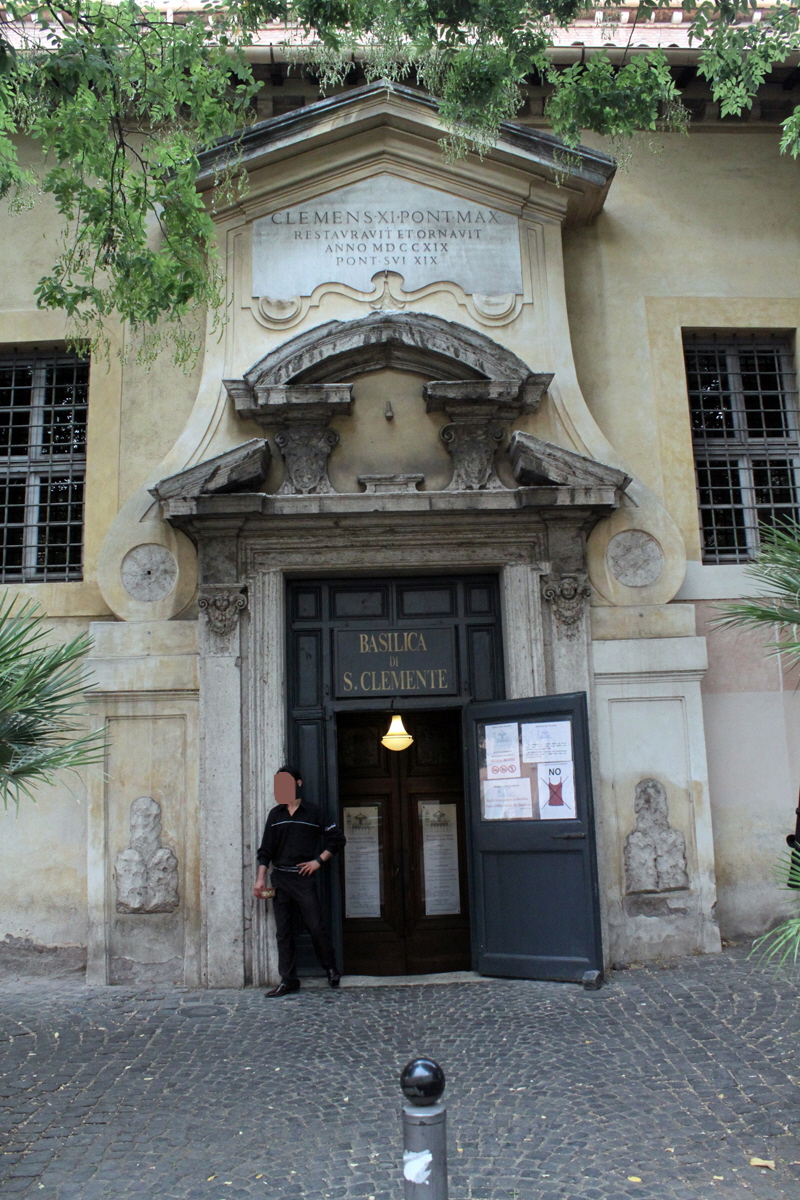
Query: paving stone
[[673, 1074]]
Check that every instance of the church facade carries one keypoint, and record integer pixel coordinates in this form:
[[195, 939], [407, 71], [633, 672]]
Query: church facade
[[481, 444]]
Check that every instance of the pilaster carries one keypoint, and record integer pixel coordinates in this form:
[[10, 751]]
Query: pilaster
[[223, 604]]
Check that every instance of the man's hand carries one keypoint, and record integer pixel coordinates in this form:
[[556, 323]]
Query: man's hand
[[309, 868]]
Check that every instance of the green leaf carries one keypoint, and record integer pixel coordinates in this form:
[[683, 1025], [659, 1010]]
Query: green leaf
[[42, 691]]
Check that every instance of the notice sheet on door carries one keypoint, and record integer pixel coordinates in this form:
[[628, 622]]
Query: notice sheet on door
[[556, 791], [507, 800], [440, 858], [547, 741], [362, 861], [502, 750]]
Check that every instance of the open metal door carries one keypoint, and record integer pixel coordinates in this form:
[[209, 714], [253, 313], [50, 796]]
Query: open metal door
[[535, 900]]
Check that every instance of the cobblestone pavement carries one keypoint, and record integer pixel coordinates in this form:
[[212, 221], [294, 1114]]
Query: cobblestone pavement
[[663, 1085]]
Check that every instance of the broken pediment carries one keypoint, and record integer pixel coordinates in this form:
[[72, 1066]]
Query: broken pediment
[[536, 463], [242, 469]]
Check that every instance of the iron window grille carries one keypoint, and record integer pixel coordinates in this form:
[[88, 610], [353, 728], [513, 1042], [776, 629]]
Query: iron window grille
[[746, 436], [43, 410]]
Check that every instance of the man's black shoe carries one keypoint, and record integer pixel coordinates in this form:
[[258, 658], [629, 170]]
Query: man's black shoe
[[284, 989], [333, 976]]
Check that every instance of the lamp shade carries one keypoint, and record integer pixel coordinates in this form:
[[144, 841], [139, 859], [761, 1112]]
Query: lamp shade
[[396, 736]]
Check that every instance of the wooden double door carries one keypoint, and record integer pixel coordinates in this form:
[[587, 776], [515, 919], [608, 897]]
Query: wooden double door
[[404, 874]]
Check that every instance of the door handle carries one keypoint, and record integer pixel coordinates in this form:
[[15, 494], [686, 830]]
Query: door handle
[[567, 837]]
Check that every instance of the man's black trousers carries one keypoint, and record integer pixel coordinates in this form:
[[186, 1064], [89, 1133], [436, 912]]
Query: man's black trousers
[[299, 893]]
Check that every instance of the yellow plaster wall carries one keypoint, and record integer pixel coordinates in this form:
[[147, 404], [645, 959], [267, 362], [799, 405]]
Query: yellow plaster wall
[[43, 876], [702, 234], [134, 417], [44, 868], [155, 404]]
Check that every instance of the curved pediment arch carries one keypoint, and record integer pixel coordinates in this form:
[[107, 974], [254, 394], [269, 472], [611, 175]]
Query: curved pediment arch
[[420, 342]]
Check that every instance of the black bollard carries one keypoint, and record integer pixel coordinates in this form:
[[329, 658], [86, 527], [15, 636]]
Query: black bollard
[[424, 1131]]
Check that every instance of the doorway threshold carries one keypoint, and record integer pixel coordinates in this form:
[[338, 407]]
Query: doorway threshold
[[360, 981]]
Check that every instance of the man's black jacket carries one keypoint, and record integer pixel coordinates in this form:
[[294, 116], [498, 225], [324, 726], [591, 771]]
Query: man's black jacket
[[293, 838]]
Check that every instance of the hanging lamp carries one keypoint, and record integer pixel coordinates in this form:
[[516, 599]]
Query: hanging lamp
[[396, 737]]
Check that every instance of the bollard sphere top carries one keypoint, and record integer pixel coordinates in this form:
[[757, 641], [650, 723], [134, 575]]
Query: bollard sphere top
[[422, 1081]]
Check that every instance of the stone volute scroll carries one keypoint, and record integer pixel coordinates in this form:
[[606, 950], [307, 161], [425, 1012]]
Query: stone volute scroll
[[479, 411], [146, 873], [300, 415], [655, 852]]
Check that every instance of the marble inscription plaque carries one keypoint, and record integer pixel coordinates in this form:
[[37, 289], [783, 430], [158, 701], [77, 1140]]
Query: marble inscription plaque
[[386, 224]]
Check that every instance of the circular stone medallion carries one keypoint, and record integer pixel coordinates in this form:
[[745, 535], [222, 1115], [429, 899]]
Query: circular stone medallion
[[635, 558], [149, 572]]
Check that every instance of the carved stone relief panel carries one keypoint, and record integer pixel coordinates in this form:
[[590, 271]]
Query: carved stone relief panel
[[473, 445], [306, 450], [635, 558], [655, 852], [149, 571], [146, 873]]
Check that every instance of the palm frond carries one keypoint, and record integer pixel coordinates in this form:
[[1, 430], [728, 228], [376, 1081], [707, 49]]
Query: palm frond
[[781, 945], [42, 691], [776, 571]]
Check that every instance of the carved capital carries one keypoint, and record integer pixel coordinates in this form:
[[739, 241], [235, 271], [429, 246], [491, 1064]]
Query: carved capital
[[567, 596], [472, 445], [223, 605], [306, 448]]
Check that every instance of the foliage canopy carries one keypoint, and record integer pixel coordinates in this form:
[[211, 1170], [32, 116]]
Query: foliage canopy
[[120, 102]]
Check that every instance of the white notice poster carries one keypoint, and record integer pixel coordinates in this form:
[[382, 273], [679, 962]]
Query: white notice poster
[[547, 741], [556, 791], [507, 800], [502, 750], [440, 858], [362, 863]]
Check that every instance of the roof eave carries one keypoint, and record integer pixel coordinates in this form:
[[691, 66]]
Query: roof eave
[[384, 102]]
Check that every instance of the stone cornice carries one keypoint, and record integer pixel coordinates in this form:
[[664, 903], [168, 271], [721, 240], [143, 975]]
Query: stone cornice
[[399, 506]]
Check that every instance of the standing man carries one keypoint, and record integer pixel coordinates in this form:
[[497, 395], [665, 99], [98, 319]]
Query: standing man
[[292, 837]]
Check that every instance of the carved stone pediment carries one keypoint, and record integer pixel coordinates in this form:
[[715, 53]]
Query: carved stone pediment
[[243, 469], [421, 342], [537, 463]]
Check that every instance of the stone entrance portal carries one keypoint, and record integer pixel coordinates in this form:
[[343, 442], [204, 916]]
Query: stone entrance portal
[[531, 536]]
